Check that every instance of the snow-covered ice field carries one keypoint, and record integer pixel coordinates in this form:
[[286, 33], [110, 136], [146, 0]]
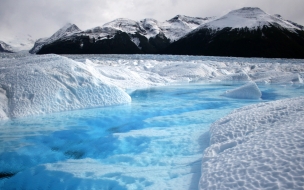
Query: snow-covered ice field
[[142, 122]]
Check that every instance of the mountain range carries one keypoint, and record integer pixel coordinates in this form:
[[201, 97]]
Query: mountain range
[[121, 36], [245, 32]]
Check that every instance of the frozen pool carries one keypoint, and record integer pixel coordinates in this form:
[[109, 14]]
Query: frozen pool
[[155, 142]]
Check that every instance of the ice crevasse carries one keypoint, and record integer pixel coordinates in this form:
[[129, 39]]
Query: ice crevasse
[[50, 83]]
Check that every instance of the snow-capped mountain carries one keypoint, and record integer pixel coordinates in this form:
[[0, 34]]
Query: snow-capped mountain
[[173, 29], [246, 32], [67, 30], [180, 25], [250, 17], [290, 22], [4, 47], [148, 35]]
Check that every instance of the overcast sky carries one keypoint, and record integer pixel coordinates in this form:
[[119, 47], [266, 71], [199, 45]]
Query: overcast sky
[[41, 18]]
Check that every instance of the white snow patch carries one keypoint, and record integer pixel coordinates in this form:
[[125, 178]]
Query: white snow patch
[[136, 42], [257, 147]]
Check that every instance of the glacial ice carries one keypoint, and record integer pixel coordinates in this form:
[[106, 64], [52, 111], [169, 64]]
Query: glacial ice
[[248, 91], [44, 84], [254, 147], [142, 71], [257, 147], [32, 85]]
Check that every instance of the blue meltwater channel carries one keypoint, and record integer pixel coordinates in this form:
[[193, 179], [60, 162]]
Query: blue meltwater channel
[[156, 142]]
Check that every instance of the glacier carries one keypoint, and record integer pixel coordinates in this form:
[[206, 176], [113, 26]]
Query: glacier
[[51, 83], [142, 122]]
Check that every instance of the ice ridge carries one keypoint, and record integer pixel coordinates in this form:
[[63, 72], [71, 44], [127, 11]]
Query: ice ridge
[[247, 91], [44, 84]]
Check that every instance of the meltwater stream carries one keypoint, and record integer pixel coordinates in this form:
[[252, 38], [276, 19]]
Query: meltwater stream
[[156, 142]]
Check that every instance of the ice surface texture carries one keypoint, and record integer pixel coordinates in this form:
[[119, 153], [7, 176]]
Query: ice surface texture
[[140, 71], [44, 84], [247, 91], [31, 85], [257, 147]]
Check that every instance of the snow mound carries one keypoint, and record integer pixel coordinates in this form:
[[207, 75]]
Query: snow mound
[[43, 84], [247, 91], [257, 147], [250, 17]]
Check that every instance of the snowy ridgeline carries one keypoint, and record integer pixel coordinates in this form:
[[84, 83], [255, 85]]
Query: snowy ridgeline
[[33, 85], [257, 147], [250, 17]]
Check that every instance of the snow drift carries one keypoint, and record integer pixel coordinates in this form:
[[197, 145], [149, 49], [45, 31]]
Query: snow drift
[[257, 147], [43, 84]]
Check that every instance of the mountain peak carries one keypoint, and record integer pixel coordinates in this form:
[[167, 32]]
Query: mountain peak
[[248, 12], [120, 23], [177, 17], [4, 47], [249, 9], [66, 29], [125, 25], [248, 17]]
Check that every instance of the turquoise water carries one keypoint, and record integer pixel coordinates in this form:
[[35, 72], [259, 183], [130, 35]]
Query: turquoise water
[[156, 142]]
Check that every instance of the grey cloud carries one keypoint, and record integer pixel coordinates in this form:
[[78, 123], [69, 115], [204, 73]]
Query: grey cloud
[[41, 18]]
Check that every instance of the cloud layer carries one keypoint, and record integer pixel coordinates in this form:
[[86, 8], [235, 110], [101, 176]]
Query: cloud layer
[[41, 18]]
